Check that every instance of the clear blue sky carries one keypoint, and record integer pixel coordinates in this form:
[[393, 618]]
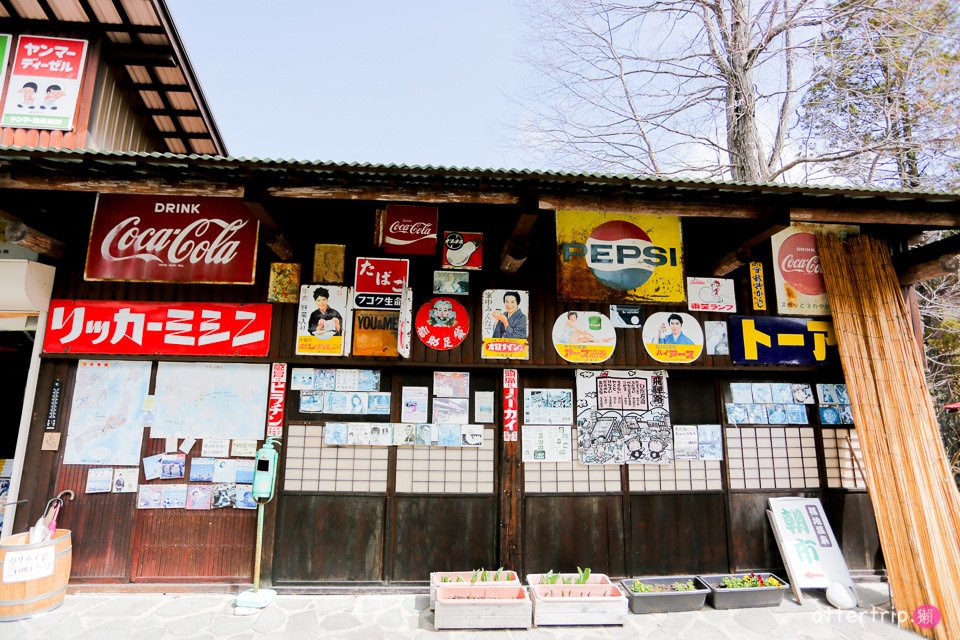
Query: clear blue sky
[[418, 82]]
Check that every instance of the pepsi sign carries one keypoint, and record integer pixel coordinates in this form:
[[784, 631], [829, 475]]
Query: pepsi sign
[[613, 257]]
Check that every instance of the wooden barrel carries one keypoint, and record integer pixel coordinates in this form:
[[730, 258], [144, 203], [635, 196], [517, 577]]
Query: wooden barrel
[[33, 577]]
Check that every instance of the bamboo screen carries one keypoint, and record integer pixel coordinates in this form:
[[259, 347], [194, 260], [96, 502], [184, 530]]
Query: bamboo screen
[[913, 493]]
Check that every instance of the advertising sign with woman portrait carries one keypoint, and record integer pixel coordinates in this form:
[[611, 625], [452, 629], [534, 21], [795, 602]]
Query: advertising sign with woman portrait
[[505, 328], [584, 336]]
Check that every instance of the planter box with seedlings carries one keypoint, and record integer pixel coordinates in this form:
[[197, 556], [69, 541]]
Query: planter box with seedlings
[[743, 590], [476, 607], [576, 599], [663, 594], [477, 578]]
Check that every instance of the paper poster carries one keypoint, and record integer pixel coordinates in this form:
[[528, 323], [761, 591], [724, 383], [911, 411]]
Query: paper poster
[[328, 261], [413, 404], [243, 471], [347, 380], [616, 257], [741, 392], [548, 406], [449, 435], [358, 433], [685, 442], [781, 392], [211, 400], [51, 441], [335, 433], [626, 316], [199, 497], [44, 85], [170, 444], [673, 337], [172, 466], [504, 327], [99, 480], [483, 407], [149, 497], [471, 435], [442, 323], [337, 402], [584, 337], [215, 447], [452, 410], [736, 413], [375, 332], [428, 435], [541, 443], [151, 466], [301, 379], [105, 413], [174, 496], [405, 332], [378, 404], [451, 283], [224, 495], [243, 448], [322, 320], [186, 445], [762, 393], [710, 441], [125, 479], [326, 379], [284, 282], [623, 416], [830, 415], [243, 497], [711, 294], [802, 393], [797, 275], [368, 380], [717, 343], [777, 414], [451, 384], [405, 434], [381, 434], [462, 250], [224, 470], [756, 413], [201, 469], [796, 414]]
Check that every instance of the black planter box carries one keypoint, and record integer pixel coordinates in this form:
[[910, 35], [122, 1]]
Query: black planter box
[[723, 598], [666, 601]]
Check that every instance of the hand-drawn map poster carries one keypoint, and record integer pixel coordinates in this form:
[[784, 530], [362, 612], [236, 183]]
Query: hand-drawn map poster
[[623, 416], [211, 400], [105, 416]]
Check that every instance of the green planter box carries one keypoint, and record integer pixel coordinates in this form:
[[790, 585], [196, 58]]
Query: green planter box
[[725, 598]]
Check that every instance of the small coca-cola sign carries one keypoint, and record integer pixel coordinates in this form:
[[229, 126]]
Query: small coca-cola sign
[[172, 239], [410, 229], [799, 264]]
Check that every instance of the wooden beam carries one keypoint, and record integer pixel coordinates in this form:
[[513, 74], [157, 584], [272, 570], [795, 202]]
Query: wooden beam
[[648, 207], [929, 261], [172, 113], [877, 216], [768, 225], [516, 249], [119, 185], [428, 196], [28, 25], [24, 236], [252, 198]]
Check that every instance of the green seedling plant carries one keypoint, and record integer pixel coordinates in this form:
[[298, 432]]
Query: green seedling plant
[[640, 587], [550, 577], [583, 575]]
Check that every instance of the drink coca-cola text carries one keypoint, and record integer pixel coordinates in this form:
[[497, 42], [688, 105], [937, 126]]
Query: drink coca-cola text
[[793, 264], [192, 243]]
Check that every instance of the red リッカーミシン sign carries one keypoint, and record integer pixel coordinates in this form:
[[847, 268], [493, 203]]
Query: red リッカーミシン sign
[[172, 239], [158, 328]]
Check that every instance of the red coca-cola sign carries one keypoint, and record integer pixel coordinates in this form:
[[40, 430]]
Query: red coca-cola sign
[[410, 229], [799, 264], [172, 239]]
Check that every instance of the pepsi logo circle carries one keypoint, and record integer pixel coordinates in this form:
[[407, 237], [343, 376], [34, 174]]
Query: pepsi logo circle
[[616, 254]]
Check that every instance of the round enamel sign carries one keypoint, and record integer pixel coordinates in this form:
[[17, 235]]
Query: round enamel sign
[[442, 323]]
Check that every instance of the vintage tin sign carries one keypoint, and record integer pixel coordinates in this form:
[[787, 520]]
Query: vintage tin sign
[[379, 282], [44, 87], [584, 337], [505, 326], [442, 323], [511, 405], [410, 229], [711, 294], [323, 320], [172, 239], [797, 275], [158, 328], [772, 340], [375, 332], [757, 291], [673, 337], [615, 257], [462, 250], [276, 401]]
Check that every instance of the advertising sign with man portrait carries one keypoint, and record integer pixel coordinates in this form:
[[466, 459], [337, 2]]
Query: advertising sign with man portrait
[[673, 337], [322, 321]]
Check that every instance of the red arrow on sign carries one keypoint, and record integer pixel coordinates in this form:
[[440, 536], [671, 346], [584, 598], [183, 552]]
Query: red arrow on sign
[[810, 574]]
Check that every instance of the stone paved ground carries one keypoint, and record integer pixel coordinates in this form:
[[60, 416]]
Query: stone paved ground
[[90, 616]]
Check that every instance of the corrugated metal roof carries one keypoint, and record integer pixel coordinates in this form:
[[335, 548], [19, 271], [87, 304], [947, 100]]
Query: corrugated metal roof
[[284, 172]]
